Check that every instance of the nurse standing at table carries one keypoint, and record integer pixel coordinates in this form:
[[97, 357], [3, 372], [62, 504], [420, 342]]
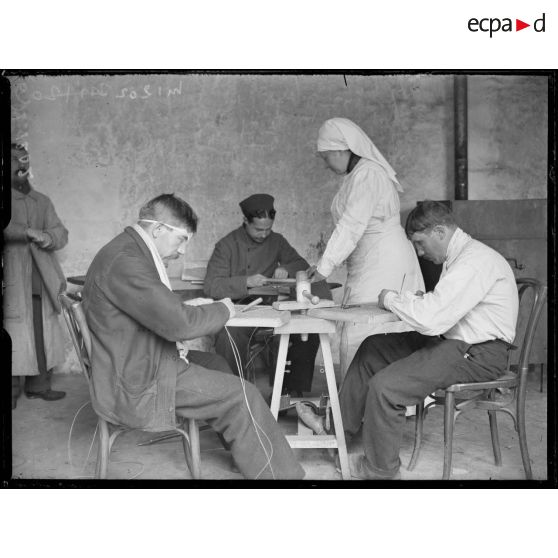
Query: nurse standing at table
[[368, 234]]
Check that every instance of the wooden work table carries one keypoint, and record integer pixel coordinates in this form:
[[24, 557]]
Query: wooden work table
[[369, 313], [286, 323], [258, 316]]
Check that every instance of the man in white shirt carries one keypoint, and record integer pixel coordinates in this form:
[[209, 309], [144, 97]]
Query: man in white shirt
[[463, 330]]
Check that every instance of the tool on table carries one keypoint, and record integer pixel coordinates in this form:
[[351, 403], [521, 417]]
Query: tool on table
[[303, 289], [346, 298], [253, 303]]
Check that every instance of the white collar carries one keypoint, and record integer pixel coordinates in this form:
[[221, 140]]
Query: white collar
[[155, 254], [456, 244]]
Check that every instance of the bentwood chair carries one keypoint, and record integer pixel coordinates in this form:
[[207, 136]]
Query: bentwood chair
[[81, 338], [513, 385]]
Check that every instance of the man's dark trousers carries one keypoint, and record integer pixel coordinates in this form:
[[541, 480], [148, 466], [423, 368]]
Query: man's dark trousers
[[206, 390], [301, 355], [392, 371]]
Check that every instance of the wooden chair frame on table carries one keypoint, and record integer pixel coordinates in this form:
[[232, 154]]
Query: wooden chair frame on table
[[482, 395], [108, 432]]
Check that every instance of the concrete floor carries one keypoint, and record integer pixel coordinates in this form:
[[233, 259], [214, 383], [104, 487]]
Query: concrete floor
[[43, 449]]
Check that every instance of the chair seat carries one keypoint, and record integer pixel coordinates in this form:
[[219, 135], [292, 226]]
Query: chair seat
[[440, 394], [508, 380]]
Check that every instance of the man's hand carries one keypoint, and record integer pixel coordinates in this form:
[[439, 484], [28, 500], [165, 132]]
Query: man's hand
[[257, 280], [280, 273], [39, 237], [382, 296], [34, 235], [313, 274]]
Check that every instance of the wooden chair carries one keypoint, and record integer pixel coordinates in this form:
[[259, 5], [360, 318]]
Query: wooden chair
[[81, 338], [459, 397]]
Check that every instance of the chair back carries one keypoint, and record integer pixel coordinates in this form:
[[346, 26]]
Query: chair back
[[539, 293], [79, 332]]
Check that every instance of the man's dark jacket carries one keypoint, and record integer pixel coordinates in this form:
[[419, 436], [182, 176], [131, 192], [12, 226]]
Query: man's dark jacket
[[237, 256], [135, 321]]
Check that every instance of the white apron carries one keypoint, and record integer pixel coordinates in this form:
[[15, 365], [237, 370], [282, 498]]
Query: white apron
[[381, 259], [369, 237]]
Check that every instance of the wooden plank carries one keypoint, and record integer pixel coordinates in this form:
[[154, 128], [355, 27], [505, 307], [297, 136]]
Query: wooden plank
[[363, 314], [300, 323], [279, 374], [258, 317], [303, 430], [291, 305], [193, 273], [321, 441]]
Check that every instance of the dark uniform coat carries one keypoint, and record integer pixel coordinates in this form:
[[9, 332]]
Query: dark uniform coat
[[237, 256], [135, 321]]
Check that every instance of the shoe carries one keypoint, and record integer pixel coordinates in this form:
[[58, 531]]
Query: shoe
[[360, 471], [47, 395], [310, 418]]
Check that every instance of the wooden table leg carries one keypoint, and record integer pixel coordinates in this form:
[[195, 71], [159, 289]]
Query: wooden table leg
[[335, 408], [279, 374]]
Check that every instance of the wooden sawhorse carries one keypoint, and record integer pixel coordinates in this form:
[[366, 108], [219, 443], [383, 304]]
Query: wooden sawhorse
[[301, 324]]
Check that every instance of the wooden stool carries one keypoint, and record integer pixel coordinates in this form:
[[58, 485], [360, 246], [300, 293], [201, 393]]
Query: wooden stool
[[303, 324]]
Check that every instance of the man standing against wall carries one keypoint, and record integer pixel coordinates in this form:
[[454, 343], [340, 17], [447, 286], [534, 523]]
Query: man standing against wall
[[247, 257], [33, 279]]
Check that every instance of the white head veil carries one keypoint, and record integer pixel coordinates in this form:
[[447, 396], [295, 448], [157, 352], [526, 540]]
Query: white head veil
[[338, 134]]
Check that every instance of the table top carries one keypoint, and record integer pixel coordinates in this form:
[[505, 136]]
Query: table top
[[282, 321], [304, 323], [258, 316], [369, 313]]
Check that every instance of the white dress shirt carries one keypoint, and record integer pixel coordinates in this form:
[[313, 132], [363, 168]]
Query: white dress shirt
[[474, 301]]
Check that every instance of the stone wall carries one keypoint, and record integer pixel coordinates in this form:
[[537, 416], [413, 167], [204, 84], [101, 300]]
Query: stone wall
[[102, 145]]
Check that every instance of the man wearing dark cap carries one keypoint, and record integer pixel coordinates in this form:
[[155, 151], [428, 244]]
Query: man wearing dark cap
[[246, 258]]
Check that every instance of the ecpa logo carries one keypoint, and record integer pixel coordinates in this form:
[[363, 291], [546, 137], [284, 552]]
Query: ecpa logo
[[492, 25]]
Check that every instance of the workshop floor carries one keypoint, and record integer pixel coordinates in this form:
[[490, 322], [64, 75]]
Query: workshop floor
[[43, 448]]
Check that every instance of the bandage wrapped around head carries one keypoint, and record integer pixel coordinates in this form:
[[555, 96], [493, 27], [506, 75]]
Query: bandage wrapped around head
[[338, 134]]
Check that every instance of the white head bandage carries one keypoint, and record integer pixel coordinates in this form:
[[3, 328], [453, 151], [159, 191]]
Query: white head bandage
[[337, 134], [183, 232]]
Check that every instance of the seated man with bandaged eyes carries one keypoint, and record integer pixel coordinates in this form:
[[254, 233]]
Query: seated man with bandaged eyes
[[141, 370]]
